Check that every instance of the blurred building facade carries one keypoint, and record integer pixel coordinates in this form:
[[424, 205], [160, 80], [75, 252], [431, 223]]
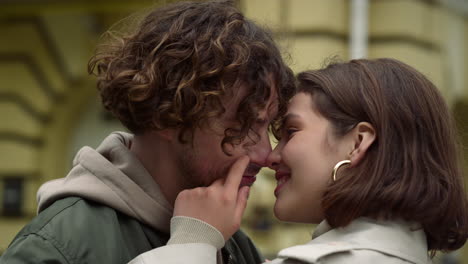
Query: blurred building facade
[[49, 106]]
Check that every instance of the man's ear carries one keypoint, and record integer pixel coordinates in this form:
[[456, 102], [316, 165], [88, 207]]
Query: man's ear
[[363, 136]]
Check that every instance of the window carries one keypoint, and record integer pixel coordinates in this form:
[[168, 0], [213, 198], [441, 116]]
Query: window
[[12, 196]]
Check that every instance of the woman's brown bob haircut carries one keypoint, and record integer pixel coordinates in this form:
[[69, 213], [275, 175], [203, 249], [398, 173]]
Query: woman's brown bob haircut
[[182, 61], [412, 171]]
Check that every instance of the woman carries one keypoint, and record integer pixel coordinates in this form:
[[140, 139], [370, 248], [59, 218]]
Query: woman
[[368, 150]]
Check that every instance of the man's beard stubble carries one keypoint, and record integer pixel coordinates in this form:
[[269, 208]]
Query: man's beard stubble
[[192, 173]]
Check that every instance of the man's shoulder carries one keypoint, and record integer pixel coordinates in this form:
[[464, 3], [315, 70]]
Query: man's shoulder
[[70, 214], [241, 237], [72, 221], [240, 246], [78, 228]]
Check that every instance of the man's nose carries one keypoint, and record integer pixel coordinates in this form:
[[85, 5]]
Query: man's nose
[[274, 159], [260, 151]]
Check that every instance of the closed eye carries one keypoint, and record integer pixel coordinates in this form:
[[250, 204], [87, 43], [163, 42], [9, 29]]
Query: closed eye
[[290, 131]]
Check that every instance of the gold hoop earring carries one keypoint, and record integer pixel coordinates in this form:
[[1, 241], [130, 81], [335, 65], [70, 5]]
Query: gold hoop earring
[[337, 166]]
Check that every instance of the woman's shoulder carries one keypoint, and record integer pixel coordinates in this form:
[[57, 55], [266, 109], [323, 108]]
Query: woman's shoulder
[[334, 254], [363, 241], [362, 256]]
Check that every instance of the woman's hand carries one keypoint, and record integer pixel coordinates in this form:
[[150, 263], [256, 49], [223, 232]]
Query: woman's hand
[[221, 204]]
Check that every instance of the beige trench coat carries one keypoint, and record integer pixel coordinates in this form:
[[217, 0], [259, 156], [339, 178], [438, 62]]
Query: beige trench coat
[[363, 241]]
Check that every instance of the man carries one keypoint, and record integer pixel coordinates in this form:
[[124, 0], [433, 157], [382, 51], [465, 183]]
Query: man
[[197, 84]]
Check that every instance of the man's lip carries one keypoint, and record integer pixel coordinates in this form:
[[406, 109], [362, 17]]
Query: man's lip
[[248, 180]]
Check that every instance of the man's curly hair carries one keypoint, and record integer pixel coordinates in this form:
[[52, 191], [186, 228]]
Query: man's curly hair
[[175, 70]]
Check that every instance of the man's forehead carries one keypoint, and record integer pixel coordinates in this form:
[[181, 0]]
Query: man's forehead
[[240, 89], [232, 100]]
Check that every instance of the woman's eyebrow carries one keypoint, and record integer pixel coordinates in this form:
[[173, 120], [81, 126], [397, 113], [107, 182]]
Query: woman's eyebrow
[[288, 117]]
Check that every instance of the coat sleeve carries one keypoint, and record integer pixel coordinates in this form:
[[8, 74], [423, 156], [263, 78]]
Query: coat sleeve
[[194, 253], [192, 241], [33, 249]]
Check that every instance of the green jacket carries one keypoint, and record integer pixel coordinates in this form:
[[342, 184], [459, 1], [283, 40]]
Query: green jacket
[[74, 230]]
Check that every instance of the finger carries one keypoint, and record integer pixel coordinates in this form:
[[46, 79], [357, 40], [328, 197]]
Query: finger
[[218, 182], [241, 203], [235, 174]]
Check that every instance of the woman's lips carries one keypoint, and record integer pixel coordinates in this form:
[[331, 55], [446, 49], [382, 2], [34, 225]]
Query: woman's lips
[[282, 179], [247, 180]]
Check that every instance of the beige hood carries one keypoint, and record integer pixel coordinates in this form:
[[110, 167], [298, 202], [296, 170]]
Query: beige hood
[[113, 176]]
